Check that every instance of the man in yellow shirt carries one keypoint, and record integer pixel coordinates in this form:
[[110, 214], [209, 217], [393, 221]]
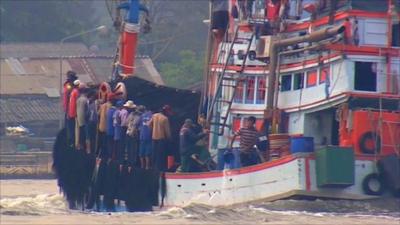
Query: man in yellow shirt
[[161, 134]]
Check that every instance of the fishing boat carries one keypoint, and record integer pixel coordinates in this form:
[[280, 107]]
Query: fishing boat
[[330, 79], [324, 77]]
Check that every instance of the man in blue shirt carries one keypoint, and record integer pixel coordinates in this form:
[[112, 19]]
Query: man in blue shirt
[[145, 147], [118, 131]]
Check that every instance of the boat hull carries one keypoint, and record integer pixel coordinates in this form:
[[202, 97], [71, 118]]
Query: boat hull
[[293, 175]]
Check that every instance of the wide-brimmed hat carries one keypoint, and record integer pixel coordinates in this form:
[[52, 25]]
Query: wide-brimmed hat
[[77, 82], [129, 104]]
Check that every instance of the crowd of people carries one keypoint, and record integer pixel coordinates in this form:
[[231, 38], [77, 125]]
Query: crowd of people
[[115, 129]]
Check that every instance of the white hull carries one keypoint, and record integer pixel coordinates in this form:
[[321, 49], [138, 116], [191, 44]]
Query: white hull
[[289, 176]]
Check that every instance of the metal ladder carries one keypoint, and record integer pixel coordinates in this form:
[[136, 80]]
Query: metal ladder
[[115, 61], [221, 103]]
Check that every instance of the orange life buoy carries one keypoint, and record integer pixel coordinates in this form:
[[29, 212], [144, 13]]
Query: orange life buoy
[[104, 90]]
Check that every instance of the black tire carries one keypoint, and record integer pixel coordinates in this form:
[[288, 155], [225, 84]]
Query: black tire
[[370, 136], [368, 187]]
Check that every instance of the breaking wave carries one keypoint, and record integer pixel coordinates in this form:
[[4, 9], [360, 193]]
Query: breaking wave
[[40, 205], [37, 205]]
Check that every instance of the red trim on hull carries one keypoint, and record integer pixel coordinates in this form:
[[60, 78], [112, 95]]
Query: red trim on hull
[[239, 171], [255, 168]]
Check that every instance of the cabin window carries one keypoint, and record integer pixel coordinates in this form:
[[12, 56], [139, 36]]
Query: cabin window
[[311, 78], [396, 35], [365, 76], [239, 92], [323, 74], [298, 81], [250, 90], [286, 83], [260, 98]]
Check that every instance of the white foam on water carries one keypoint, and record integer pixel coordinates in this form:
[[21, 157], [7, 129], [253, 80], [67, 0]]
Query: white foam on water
[[318, 214], [37, 205]]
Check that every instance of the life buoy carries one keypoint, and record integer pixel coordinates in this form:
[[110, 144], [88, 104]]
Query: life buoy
[[104, 90], [366, 139], [373, 184], [120, 91]]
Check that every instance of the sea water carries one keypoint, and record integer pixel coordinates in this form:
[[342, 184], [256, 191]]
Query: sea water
[[39, 202]]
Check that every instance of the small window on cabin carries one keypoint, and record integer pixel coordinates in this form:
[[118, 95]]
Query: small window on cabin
[[239, 93], [323, 74], [286, 83], [298, 81], [311, 78], [260, 98], [365, 76], [250, 90]]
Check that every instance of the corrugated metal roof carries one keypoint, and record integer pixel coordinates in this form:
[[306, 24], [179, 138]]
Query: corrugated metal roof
[[40, 75], [29, 50], [19, 109]]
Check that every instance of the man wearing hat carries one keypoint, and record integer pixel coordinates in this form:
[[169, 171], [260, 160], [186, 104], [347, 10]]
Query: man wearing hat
[[161, 134], [123, 114], [72, 112], [82, 106], [131, 134], [118, 130], [67, 88], [187, 142]]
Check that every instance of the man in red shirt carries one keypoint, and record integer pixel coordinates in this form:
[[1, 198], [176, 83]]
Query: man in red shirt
[[347, 32], [71, 114], [67, 88]]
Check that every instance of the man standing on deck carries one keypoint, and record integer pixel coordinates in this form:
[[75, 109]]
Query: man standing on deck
[[187, 142], [132, 139], [102, 138], [82, 106], [67, 89], [110, 131], [145, 147], [72, 113], [220, 18], [93, 114], [161, 135], [117, 131], [248, 138]]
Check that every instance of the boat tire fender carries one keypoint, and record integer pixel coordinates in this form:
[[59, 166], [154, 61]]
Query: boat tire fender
[[364, 140], [373, 184]]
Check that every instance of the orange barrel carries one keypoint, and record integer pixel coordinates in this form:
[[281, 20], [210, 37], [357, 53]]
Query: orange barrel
[[170, 161], [279, 145]]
